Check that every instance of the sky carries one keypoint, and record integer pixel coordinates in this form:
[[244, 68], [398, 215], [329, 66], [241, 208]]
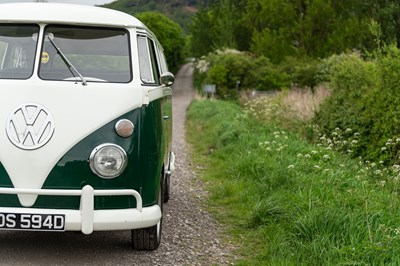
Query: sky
[[83, 2]]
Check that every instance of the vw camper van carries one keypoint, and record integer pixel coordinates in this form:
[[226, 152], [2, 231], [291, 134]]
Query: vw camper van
[[85, 122]]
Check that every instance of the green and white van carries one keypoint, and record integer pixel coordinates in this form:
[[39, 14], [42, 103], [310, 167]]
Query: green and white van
[[86, 118]]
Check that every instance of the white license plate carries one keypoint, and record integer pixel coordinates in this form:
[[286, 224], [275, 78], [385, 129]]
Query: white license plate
[[32, 222]]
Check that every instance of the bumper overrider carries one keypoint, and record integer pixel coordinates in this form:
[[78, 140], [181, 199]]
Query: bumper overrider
[[86, 219]]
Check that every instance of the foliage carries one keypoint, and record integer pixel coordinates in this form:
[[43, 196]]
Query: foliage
[[365, 98], [278, 29], [180, 11], [286, 202], [265, 76], [225, 67], [230, 70], [219, 26], [201, 35], [169, 34], [302, 71]]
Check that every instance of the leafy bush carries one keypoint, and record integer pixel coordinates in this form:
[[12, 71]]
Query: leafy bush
[[366, 99], [226, 69], [264, 76], [301, 72], [230, 70]]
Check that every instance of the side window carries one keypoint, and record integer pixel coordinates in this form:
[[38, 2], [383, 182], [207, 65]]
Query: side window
[[163, 64], [149, 72]]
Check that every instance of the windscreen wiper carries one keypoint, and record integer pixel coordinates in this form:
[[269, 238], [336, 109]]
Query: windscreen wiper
[[65, 59]]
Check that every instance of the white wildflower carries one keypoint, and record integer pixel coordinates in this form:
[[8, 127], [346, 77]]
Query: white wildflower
[[378, 172]]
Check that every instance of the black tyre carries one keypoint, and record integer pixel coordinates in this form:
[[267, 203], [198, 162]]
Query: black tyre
[[166, 188], [149, 238]]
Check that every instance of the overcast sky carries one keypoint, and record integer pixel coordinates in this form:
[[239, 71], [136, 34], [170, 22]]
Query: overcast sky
[[82, 2]]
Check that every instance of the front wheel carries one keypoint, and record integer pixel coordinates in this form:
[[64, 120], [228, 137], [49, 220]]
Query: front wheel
[[167, 188], [149, 238]]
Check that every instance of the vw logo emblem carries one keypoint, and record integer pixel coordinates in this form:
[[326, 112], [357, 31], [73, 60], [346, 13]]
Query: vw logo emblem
[[30, 126]]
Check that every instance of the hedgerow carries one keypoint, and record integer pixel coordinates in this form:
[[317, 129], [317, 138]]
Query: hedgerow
[[366, 99]]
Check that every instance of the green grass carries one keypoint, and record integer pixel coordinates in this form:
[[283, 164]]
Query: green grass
[[286, 202]]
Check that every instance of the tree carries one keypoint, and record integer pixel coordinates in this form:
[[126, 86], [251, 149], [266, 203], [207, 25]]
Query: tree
[[282, 28], [219, 25], [170, 35], [202, 35]]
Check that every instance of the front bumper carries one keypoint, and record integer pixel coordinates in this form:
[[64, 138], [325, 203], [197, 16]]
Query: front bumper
[[86, 219]]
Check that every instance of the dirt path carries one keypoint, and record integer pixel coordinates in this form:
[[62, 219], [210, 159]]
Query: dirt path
[[191, 236]]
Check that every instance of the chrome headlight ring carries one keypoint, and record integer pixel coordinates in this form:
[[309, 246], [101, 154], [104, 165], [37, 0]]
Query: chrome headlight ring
[[108, 160]]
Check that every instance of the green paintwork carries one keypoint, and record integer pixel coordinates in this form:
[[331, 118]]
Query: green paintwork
[[146, 150]]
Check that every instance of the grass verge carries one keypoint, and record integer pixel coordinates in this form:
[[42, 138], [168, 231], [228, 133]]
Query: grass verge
[[286, 202]]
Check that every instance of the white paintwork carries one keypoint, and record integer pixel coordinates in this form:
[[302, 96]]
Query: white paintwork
[[66, 14], [77, 111], [152, 94], [87, 219]]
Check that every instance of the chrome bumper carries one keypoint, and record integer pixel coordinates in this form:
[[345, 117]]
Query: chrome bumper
[[86, 219]]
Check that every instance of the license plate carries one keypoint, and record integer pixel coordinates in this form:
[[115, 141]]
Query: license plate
[[33, 222]]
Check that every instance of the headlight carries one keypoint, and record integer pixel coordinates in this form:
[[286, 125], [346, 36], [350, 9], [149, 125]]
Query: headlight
[[108, 160]]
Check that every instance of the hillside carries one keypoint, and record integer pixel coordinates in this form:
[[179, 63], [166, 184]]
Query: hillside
[[180, 11]]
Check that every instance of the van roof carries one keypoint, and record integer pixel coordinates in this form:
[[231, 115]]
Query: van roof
[[57, 13]]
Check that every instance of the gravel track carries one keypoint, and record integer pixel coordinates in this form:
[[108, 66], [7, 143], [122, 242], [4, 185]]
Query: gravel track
[[190, 235]]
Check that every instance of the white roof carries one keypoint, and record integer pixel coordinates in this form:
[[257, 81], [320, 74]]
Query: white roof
[[65, 14]]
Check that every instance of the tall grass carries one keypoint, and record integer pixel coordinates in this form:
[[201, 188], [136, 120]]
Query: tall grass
[[304, 103], [287, 202]]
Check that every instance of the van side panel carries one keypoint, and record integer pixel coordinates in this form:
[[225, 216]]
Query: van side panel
[[152, 150]]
